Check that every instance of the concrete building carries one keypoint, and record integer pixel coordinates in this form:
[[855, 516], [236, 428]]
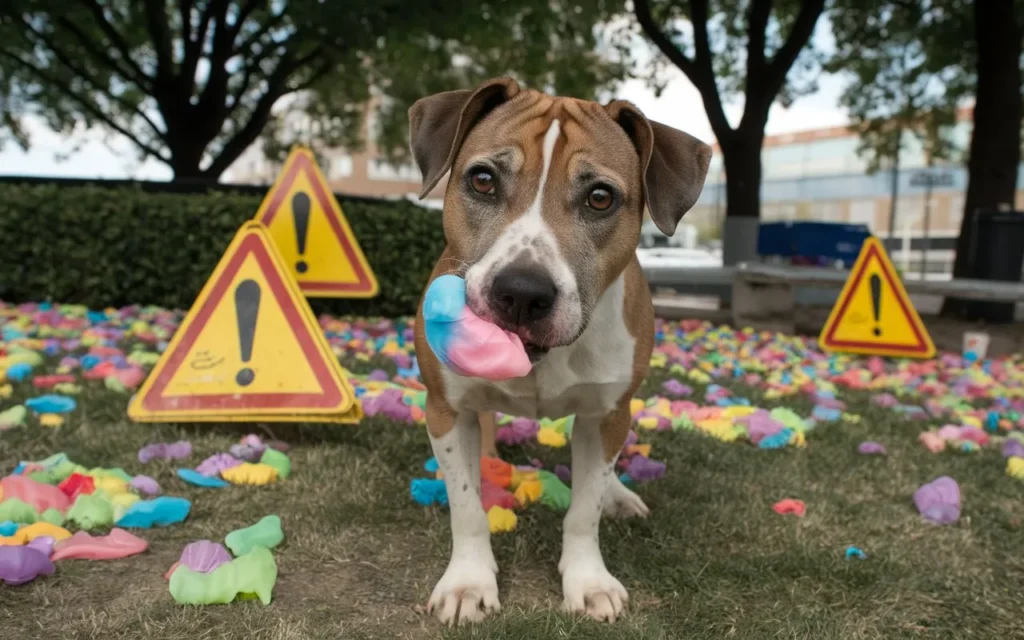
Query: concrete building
[[818, 175], [360, 173]]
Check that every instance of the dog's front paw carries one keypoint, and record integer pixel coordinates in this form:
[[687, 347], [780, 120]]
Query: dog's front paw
[[590, 589], [467, 592], [623, 503]]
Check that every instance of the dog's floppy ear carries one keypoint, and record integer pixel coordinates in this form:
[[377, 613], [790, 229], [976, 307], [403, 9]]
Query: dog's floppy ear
[[439, 123], [674, 164]]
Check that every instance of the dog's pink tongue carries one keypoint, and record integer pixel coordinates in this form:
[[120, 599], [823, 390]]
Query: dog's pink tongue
[[484, 350]]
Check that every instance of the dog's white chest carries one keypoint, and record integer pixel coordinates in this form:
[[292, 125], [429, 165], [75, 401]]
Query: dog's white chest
[[588, 377]]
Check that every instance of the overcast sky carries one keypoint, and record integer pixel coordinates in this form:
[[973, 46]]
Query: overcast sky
[[678, 106]]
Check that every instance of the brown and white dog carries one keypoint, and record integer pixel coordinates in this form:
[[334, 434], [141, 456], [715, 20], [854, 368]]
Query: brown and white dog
[[542, 217]]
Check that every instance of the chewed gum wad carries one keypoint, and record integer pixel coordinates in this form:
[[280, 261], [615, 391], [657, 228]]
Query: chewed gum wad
[[465, 343]]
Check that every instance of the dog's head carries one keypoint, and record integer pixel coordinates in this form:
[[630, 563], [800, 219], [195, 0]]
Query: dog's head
[[546, 197]]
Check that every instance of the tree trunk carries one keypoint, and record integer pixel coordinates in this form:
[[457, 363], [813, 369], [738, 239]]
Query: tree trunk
[[741, 154], [186, 147], [995, 141]]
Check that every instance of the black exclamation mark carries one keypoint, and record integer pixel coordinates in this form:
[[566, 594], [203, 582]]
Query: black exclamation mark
[[247, 307], [300, 215], [876, 301]]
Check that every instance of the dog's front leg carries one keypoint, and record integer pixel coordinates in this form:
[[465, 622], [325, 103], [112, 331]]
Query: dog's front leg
[[586, 584], [468, 591]]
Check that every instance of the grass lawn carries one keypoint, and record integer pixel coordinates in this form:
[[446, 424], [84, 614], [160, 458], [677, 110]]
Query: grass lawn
[[713, 561]]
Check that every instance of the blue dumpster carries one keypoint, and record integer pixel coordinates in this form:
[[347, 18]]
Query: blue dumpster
[[821, 243]]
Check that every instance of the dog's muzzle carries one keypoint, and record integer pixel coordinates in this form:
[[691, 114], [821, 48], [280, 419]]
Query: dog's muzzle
[[522, 299]]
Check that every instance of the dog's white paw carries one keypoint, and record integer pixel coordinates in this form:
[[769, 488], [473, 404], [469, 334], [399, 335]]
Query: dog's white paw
[[623, 503], [590, 589], [467, 592]]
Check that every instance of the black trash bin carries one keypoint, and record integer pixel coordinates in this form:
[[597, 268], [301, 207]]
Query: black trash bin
[[997, 254]]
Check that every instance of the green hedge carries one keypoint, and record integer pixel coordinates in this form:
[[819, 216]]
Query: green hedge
[[103, 246]]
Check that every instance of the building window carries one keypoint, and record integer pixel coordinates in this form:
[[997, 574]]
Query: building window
[[863, 212], [824, 211], [956, 211], [380, 169], [339, 166]]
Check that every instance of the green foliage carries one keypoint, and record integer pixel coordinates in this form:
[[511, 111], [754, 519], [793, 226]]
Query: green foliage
[[193, 83], [909, 65], [104, 246]]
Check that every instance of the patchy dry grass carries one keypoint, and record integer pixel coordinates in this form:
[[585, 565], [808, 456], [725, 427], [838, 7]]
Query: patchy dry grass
[[714, 560]]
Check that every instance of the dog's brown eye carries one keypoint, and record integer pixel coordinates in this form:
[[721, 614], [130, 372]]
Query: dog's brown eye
[[482, 181], [599, 199]]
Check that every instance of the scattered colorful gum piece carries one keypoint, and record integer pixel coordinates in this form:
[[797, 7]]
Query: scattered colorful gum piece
[[551, 438], [203, 556], [38, 495], [790, 506], [501, 520], [17, 511], [250, 473], [253, 572], [13, 417], [43, 544], [496, 471], [145, 485], [90, 511], [491, 495], [871, 449], [428, 491], [528, 492], [76, 484], [116, 544], [193, 477], [939, 500], [30, 532], [51, 420], [278, 461], [160, 512], [1015, 467], [110, 484], [855, 552], [19, 565], [266, 533], [53, 517], [554, 493], [165, 451], [52, 403]]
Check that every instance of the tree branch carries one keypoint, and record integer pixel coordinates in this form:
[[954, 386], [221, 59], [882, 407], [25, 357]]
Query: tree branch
[[252, 68], [273, 22], [213, 101], [698, 70], [119, 43], [703, 59], [276, 88], [775, 75], [642, 8], [66, 60], [193, 45], [102, 56], [243, 15], [156, 24], [88, 106]]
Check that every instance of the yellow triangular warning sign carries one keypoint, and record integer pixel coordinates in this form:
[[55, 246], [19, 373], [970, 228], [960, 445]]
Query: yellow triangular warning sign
[[874, 314], [250, 349], [312, 234]]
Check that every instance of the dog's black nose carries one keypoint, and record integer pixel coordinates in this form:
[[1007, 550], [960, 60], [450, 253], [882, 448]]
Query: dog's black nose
[[520, 295]]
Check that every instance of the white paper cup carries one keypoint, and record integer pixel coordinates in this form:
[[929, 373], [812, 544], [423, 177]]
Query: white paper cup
[[976, 344]]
